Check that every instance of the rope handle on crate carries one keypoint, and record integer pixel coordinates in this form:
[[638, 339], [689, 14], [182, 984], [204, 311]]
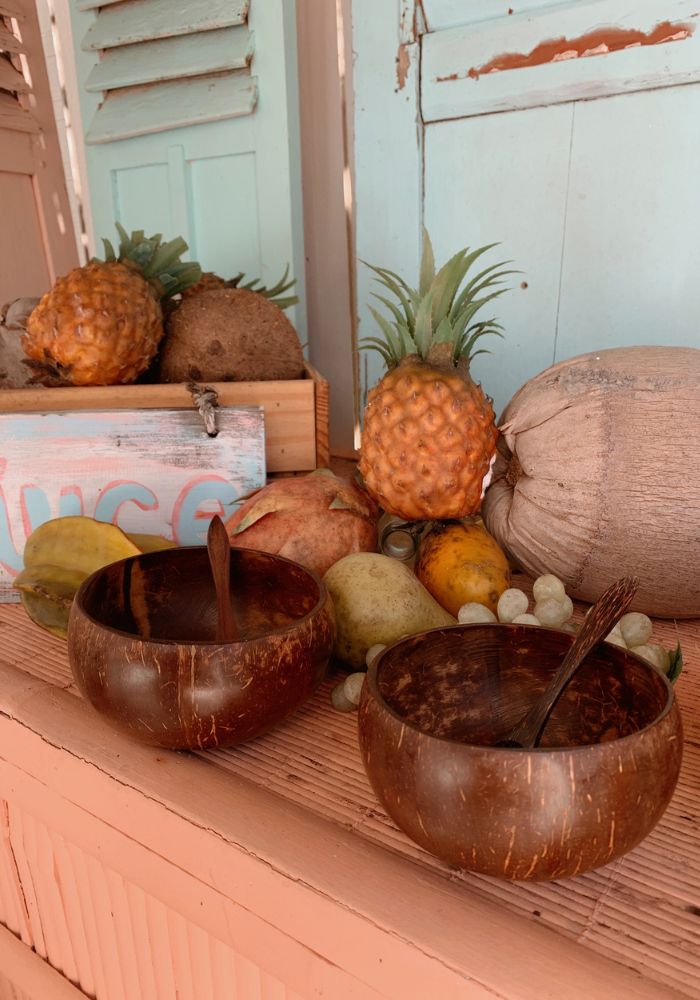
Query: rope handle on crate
[[206, 400]]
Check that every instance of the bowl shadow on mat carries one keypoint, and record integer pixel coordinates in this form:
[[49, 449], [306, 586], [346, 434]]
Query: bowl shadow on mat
[[435, 705], [142, 646]]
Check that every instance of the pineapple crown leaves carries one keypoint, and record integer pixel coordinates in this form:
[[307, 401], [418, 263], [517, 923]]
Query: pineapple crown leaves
[[158, 262], [274, 294], [440, 310]]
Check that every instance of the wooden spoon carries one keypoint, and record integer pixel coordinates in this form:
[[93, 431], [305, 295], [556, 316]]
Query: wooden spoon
[[601, 618], [219, 549]]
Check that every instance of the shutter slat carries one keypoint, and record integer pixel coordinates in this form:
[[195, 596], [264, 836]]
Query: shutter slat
[[147, 20], [171, 58], [8, 42], [14, 117], [93, 4], [143, 110], [11, 79], [11, 10]]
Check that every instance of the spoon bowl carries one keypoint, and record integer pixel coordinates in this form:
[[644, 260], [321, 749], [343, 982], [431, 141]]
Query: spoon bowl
[[436, 704]]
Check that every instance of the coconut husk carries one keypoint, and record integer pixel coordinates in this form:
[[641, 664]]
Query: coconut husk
[[229, 335], [14, 370], [598, 476]]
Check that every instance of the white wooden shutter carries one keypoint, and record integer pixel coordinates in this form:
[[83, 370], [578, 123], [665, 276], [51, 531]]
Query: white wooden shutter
[[190, 116], [36, 237]]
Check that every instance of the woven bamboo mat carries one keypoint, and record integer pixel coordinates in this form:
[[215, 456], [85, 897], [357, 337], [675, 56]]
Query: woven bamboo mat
[[642, 911]]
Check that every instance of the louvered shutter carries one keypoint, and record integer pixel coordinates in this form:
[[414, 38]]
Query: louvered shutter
[[37, 241], [191, 126]]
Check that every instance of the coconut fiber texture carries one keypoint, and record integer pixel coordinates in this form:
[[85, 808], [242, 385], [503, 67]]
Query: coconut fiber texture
[[230, 335], [598, 476]]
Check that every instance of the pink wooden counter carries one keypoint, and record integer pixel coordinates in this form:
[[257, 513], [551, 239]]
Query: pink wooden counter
[[270, 872]]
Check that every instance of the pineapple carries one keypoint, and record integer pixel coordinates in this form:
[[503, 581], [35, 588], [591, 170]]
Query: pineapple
[[101, 324], [429, 431]]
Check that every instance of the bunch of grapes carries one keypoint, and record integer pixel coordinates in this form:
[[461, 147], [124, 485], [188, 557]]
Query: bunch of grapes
[[554, 609]]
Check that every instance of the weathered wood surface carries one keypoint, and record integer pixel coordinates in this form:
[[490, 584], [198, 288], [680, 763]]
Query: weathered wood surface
[[152, 471], [563, 53], [139, 111], [296, 412], [186, 852], [171, 58], [144, 20]]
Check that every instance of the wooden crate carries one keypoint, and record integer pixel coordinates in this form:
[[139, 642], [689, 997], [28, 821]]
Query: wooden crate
[[296, 411]]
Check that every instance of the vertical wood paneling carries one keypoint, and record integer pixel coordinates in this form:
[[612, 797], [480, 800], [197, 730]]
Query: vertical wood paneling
[[388, 155], [504, 178], [632, 254]]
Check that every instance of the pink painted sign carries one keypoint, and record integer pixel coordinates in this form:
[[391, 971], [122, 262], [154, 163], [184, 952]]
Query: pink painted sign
[[150, 471]]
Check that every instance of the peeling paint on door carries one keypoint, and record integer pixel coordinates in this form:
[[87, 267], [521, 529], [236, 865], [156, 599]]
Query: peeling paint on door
[[602, 41]]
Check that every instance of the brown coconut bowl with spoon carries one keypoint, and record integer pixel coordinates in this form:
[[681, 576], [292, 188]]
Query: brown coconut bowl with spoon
[[143, 649], [436, 704]]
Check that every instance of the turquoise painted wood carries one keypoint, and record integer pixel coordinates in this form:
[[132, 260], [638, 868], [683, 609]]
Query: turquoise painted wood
[[388, 152], [134, 111], [171, 58], [455, 77], [504, 177], [595, 200], [631, 256], [124, 24], [216, 157], [441, 14]]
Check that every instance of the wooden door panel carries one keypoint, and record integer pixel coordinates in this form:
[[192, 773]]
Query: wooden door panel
[[23, 268], [555, 54], [631, 251], [504, 177]]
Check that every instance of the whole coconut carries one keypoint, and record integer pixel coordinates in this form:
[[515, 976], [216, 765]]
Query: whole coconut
[[314, 520], [229, 335], [598, 476]]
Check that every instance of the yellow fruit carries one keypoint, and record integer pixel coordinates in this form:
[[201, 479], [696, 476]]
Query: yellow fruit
[[460, 564], [47, 593], [63, 552], [429, 432], [149, 543], [78, 543], [101, 324]]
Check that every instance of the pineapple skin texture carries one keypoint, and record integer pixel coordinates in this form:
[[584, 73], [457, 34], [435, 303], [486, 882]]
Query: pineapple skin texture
[[99, 325], [428, 438]]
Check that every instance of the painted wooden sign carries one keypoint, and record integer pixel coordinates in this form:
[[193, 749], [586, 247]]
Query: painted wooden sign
[[152, 471]]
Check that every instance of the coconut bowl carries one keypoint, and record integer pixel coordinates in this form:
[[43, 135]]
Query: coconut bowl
[[142, 647], [433, 708]]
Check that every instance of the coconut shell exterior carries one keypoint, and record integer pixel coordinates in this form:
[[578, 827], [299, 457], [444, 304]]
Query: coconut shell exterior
[[229, 335], [598, 476]]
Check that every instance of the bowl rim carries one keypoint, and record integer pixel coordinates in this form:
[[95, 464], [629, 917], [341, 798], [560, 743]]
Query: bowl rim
[[78, 601], [373, 688]]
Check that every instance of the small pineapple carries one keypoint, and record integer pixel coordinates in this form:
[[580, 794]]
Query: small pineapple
[[101, 324], [429, 430]]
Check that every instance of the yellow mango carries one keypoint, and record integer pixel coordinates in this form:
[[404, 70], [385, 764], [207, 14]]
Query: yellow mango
[[460, 562], [47, 593], [150, 543], [79, 543]]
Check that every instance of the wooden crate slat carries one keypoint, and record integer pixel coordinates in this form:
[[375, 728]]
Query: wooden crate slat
[[14, 117], [143, 110], [296, 411], [146, 20], [171, 58]]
